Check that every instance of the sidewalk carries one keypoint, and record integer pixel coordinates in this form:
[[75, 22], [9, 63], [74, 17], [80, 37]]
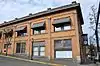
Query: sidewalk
[[54, 62], [41, 62]]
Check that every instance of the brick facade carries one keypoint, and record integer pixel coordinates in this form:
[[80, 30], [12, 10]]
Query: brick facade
[[50, 35]]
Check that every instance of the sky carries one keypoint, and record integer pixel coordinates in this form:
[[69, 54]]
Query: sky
[[10, 9]]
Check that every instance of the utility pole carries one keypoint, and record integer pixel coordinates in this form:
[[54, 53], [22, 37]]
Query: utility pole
[[96, 32]]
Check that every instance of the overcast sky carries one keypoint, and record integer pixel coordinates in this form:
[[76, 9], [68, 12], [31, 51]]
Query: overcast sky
[[10, 9]]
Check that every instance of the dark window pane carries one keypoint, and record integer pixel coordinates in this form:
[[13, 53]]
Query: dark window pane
[[58, 43], [22, 32], [18, 47], [5, 46], [23, 48], [67, 42]]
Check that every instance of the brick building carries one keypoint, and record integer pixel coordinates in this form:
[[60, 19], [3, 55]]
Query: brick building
[[54, 33]]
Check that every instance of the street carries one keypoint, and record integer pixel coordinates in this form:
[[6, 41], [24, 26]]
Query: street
[[4, 61]]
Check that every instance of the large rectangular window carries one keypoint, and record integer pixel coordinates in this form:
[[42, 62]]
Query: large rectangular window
[[38, 28], [20, 47], [62, 24], [22, 31], [39, 48], [63, 48], [65, 43], [39, 51]]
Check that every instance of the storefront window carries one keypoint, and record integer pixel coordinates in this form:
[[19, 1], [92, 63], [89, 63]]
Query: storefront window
[[63, 48], [20, 47], [39, 51], [39, 48]]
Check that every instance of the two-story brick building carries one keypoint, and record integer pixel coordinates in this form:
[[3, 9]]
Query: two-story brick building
[[54, 33]]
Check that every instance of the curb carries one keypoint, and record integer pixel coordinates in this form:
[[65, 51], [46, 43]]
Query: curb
[[32, 61]]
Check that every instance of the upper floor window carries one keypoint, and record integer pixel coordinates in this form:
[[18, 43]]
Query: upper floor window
[[38, 28], [22, 31], [62, 24]]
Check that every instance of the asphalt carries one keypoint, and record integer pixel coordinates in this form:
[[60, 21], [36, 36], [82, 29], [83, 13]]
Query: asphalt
[[13, 61], [5, 61]]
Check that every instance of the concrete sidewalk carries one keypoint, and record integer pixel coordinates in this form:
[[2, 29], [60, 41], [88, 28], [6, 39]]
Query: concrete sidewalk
[[54, 62], [41, 62]]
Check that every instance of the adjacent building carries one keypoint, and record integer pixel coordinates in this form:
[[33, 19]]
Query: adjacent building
[[54, 33]]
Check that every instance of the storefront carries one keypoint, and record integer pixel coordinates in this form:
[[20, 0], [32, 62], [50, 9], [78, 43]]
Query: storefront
[[63, 48]]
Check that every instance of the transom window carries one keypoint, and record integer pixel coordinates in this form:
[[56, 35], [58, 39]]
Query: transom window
[[39, 48]]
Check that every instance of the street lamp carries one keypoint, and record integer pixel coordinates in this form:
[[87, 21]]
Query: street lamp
[[32, 50]]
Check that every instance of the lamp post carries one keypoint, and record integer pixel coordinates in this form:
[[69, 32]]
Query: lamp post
[[32, 50]]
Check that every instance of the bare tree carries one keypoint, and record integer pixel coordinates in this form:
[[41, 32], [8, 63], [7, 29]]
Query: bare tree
[[95, 26], [93, 20], [7, 36]]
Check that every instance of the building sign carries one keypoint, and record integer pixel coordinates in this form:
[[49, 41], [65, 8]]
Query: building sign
[[85, 39]]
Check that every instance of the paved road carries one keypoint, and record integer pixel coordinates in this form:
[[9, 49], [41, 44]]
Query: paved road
[[4, 61]]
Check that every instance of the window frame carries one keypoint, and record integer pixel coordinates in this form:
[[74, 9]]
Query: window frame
[[39, 51], [22, 33], [39, 31], [62, 45], [20, 48], [62, 27]]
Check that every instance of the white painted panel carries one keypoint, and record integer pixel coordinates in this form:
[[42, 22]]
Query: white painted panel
[[67, 27], [69, 54], [42, 48], [42, 53], [35, 48], [63, 54], [35, 53]]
